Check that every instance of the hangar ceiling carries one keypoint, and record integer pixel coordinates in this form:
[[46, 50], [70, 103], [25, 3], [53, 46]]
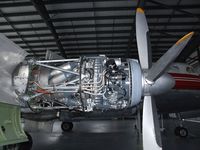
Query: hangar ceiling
[[89, 27]]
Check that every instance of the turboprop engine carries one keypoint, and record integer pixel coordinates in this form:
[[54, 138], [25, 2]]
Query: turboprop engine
[[84, 84]]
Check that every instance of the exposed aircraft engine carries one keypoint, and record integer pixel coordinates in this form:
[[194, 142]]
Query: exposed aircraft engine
[[100, 83], [85, 84]]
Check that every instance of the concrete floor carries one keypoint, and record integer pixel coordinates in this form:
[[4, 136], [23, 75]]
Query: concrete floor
[[106, 135]]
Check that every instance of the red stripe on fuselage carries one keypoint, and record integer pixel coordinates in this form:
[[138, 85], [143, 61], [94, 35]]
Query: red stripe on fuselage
[[186, 81]]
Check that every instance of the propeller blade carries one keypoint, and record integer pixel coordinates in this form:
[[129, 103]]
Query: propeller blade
[[161, 65], [150, 125], [142, 36]]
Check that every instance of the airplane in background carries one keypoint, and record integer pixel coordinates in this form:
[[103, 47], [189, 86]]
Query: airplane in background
[[95, 87]]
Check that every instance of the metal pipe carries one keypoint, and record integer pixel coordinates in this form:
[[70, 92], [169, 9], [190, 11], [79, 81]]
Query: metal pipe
[[49, 108], [72, 82], [65, 91], [61, 88], [56, 68], [53, 61], [28, 98], [36, 95], [68, 83]]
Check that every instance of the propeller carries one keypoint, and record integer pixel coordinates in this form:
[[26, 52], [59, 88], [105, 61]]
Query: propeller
[[150, 125]]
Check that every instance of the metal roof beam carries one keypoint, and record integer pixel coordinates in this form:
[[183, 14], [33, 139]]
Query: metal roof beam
[[85, 49], [105, 44], [15, 4], [63, 34], [20, 4], [96, 51], [96, 18], [121, 55], [68, 40], [178, 9], [76, 10], [75, 39], [82, 38], [101, 25], [40, 7], [104, 52], [50, 2], [101, 43]]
